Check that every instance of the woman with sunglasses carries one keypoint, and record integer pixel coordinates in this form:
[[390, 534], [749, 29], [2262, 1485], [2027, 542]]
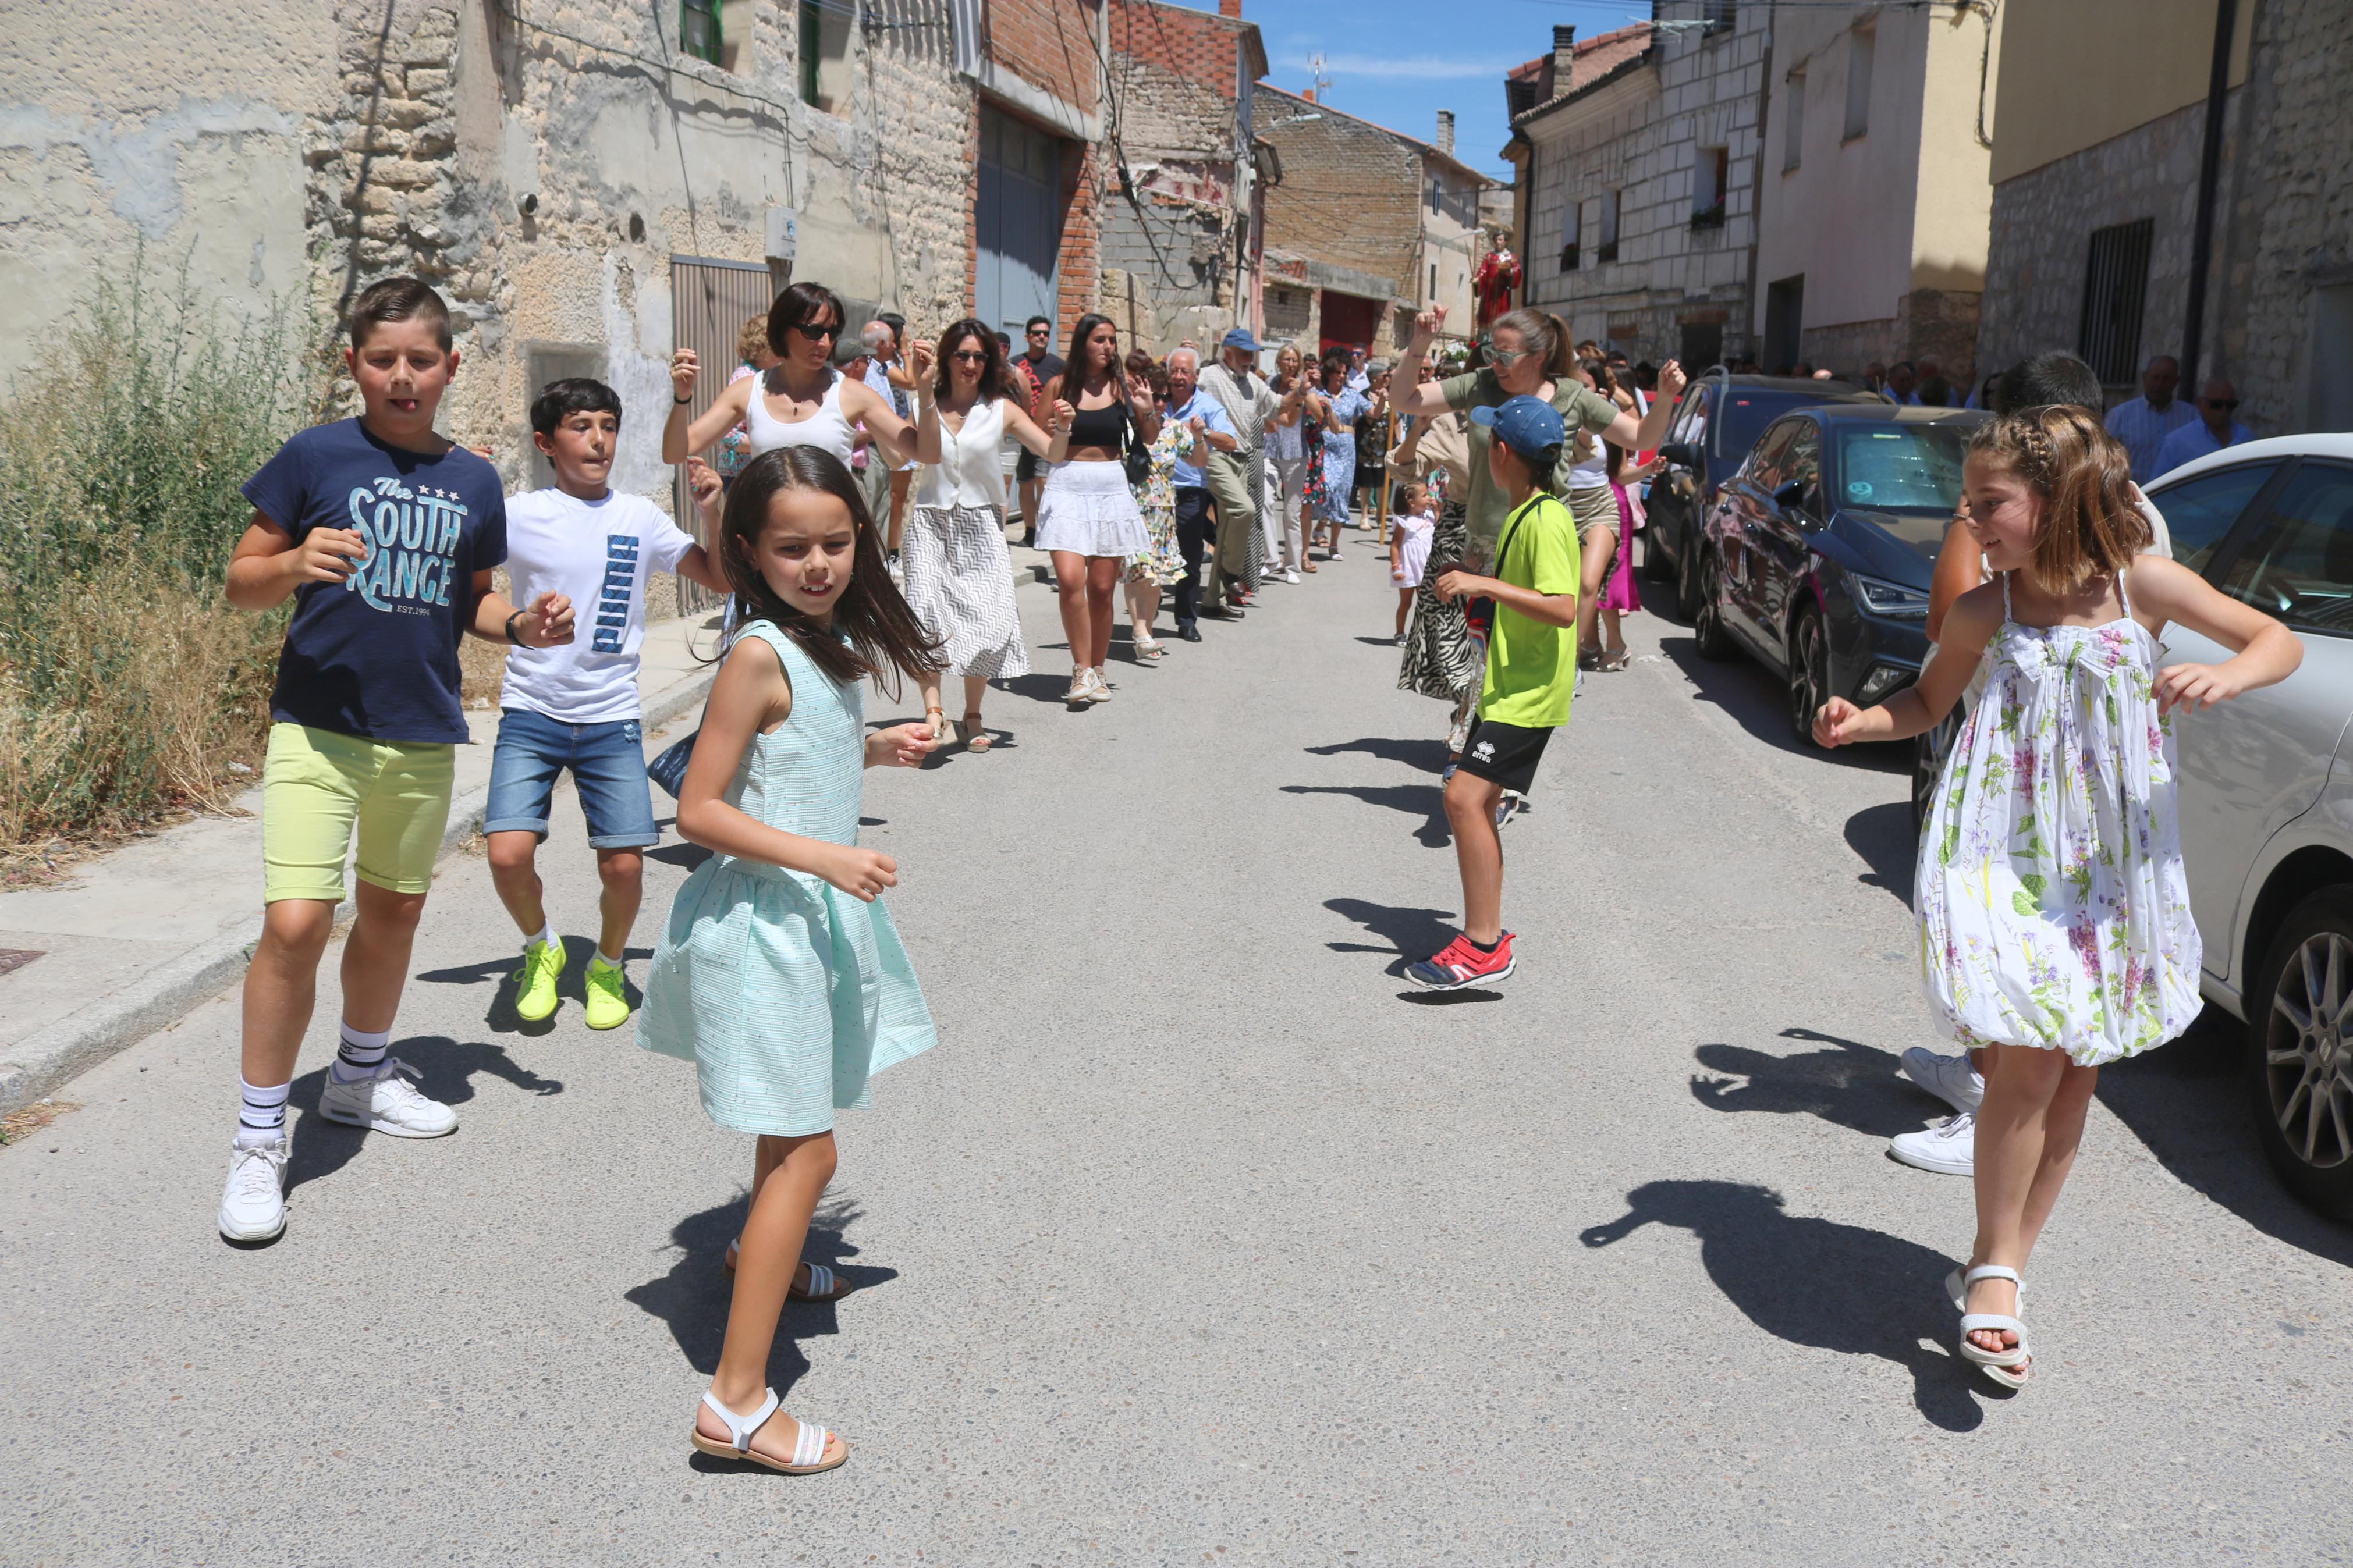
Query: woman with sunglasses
[[1087, 518], [959, 573], [1528, 354], [800, 401]]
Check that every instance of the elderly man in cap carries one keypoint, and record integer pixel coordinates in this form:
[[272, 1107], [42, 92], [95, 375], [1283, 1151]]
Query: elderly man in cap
[[1237, 478]]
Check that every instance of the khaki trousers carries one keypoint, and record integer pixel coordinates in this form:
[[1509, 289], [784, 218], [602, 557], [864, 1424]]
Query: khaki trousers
[[1229, 484]]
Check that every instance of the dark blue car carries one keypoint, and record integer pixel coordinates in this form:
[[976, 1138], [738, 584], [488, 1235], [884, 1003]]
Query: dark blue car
[[1816, 554]]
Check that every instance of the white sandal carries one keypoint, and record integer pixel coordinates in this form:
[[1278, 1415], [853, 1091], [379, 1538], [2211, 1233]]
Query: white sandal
[[808, 1448], [2008, 1367]]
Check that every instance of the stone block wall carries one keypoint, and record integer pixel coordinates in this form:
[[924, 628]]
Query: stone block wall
[[1350, 195]]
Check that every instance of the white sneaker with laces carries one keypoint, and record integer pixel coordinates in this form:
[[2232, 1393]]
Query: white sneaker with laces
[[1949, 1147], [1098, 689], [253, 1205], [383, 1102], [1950, 1079]]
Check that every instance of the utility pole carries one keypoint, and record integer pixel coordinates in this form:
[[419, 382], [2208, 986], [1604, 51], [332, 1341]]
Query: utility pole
[[2209, 172]]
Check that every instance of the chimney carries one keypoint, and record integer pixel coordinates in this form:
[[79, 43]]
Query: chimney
[[1446, 131], [1307, 94], [1229, 8], [1564, 55]]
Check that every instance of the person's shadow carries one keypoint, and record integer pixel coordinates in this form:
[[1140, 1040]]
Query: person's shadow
[[572, 986], [1818, 1283], [1847, 1082], [446, 1071], [1408, 935], [1426, 756], [1426, 801], [693, 1296]]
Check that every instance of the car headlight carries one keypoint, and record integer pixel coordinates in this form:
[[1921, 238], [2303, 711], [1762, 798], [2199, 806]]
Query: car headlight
[[1883, 679], [1881, 597]]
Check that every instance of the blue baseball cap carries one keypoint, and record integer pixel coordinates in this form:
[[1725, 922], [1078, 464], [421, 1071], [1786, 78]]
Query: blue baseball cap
[[1239, 338], [1528, 425]]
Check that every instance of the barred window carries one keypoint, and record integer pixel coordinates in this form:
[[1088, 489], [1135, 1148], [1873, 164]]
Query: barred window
[[2115, 290]]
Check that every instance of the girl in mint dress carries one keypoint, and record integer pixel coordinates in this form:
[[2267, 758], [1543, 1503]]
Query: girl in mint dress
[[2054, 914], [779, 974]]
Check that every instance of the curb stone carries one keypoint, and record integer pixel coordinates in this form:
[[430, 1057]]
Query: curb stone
[[45, 1061]]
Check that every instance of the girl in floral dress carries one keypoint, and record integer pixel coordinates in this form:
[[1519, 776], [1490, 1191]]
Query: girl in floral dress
[[1158, 567], [2054, 916]]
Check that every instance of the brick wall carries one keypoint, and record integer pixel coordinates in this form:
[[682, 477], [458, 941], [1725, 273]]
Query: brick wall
[[1351, 191], [1050, 44]]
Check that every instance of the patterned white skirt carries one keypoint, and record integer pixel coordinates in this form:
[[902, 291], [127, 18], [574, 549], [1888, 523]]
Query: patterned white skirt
[[960, 585], [1088, 507]]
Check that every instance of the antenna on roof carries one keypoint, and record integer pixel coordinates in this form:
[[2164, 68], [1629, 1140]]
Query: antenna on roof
[[1318, 79]]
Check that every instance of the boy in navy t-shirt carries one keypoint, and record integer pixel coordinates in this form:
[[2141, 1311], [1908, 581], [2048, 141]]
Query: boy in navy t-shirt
[[385, 532]]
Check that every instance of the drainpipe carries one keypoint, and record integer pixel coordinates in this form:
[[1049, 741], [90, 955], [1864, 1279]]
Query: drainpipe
[[2209, 170]]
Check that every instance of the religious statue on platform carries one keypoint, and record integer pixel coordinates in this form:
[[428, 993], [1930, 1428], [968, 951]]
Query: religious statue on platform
[[1498, 275]]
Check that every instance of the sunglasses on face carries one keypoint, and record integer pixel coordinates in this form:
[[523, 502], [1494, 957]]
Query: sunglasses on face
[[2219, 401], [829, 331], [969, 357], [1505, 356]]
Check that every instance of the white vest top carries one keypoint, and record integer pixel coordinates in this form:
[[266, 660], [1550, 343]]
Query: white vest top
[[824, 428], [969, 472]]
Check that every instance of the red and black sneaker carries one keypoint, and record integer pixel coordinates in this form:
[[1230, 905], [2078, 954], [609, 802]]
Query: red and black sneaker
[[1459, 965]]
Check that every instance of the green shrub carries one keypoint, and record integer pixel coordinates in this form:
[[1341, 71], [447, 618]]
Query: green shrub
[[128, 688]]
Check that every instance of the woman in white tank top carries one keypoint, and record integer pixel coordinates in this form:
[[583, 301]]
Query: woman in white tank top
[[801, 400], [959, 573]]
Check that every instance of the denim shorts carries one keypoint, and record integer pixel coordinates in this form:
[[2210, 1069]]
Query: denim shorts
[[609, 768]]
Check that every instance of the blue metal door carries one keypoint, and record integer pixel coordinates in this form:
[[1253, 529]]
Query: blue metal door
[[1017, 220]]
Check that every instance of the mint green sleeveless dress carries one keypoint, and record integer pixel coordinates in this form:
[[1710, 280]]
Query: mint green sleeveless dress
[[786, 993]]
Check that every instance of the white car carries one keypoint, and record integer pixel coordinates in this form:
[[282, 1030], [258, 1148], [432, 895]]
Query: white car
[[2266, 791]]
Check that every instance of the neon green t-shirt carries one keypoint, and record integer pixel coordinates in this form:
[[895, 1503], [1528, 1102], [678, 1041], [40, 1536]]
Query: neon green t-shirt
[[1531, 667]]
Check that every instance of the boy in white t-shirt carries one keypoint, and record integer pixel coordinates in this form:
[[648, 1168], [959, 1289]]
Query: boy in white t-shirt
[[575, 706]]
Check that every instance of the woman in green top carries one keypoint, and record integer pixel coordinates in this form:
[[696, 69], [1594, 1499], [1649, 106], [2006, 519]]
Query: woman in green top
[[1528, 354]]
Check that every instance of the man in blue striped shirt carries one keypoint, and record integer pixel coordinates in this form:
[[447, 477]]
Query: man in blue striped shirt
[[2143, 424]]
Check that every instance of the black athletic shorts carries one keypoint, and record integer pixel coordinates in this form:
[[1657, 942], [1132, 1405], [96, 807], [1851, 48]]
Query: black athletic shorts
[[1025, 467], [1505, 754]]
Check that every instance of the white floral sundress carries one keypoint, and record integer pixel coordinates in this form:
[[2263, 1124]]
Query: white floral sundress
[[2054, 907]]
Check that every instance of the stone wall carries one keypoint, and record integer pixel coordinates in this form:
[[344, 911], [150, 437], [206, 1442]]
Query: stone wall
[[1350, 195]]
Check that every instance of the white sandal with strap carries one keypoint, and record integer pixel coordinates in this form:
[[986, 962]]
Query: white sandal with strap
[[808, 1448], [824, 1285], [2008, 1367]]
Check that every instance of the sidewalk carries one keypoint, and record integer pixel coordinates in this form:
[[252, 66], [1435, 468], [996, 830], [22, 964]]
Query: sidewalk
[[136, 938]]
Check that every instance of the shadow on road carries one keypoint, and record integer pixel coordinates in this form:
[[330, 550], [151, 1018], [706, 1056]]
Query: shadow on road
[[1408, 934], [1423, 800], [1426, 756], [1818, 1283], [1038, 687], [1847, 1082], [1881, 835], [2185, 1102], [1758, 701], [446, 1071], [693, 1297]]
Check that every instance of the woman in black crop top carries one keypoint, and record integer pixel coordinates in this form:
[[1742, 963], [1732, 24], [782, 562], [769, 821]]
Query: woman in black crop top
[[1087, 518]]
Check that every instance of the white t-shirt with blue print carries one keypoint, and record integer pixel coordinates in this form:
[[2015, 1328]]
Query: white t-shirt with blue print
[[599, 553]]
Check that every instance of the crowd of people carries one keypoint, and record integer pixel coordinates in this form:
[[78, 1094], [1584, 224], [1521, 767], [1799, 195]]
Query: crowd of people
[[856, 517]]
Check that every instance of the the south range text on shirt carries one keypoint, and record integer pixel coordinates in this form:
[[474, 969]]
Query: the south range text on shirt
[[412, 538]]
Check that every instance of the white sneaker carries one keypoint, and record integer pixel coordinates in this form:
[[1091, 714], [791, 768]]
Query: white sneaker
[[1949, 1147], [1098, 689], [1950, 1079], [383, 1102], [253, 1205], [1291, 575]]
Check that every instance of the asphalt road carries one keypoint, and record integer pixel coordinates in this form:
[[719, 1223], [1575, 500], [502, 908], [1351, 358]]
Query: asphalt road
[[1201, 1237]]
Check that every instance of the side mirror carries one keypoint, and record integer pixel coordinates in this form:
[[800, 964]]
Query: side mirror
[[1681, 454], [1791, 495]]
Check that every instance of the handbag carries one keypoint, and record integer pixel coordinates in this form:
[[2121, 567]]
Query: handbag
[[669, 770]]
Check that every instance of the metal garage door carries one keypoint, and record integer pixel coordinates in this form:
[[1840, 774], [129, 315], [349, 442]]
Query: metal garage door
[[710, 300], [1016, 215]]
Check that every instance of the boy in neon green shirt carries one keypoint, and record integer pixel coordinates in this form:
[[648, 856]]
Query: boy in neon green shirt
[[1531, 675]]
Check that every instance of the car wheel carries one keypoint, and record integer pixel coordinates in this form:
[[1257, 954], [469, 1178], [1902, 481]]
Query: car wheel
[[1928, 754], [1810, 673], [1708, 618], [2300, 1051]]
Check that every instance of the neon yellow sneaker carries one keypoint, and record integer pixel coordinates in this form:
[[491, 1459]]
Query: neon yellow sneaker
[[608, 1000], [542, 966]]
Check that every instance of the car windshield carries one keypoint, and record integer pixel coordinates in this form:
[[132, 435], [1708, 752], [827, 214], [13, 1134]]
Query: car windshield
[[1746, 411], [1900, 467]]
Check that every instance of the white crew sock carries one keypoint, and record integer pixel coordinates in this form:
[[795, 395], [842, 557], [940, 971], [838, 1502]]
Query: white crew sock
[[263, 1118], [609, 962], [546, 933], [361, 1054]]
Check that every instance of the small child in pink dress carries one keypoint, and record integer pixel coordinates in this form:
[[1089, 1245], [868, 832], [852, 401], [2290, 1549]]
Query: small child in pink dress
[[1416, 522]]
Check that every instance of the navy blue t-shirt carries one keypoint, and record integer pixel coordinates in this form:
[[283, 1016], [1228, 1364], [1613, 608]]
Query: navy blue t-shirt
[[376, 655]]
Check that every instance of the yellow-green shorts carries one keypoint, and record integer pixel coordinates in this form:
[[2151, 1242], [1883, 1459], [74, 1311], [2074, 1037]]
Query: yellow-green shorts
[[319, 785]]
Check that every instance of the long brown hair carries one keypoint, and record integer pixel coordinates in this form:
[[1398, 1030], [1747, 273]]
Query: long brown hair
[[995, 379], [884, 633], [1544, 332], [2090, 527]]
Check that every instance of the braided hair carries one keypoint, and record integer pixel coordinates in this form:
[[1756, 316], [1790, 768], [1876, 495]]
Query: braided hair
[[2091, 526]]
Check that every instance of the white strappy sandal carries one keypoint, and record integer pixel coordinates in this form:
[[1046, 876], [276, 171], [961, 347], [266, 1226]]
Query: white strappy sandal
[[808, 1448], [2007, 1367]]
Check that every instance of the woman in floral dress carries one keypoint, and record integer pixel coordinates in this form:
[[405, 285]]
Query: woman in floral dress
[[1159, 566], [2054, 914], [1342, 409]]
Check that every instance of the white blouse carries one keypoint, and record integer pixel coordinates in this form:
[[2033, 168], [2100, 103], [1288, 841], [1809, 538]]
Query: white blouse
[[969, 472]]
